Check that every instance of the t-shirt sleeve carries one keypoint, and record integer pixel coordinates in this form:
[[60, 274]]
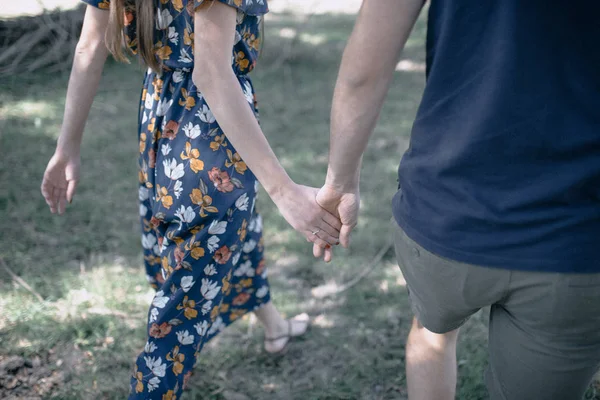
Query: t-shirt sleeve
[[101, 4], [250, 7]]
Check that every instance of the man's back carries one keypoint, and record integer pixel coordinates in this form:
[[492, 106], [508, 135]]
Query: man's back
[[503, 168]]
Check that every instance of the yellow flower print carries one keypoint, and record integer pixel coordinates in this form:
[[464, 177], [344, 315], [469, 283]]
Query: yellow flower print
[[188, 37], [166, 267], [204, 201], [193, 155], [170, 395], [226, 289], [241, 61], [242, 231], [177, 359], [238, 2], [224, 308], [218, 142], [139, 386], [235, 314], [246, 283], [142, 142], [195, 249], [164, 52], [189, 308], [151, 124], [104, 5], [177, 5], [214, 313], [158, 86], [188, 101], [162, 195], [236, 160]]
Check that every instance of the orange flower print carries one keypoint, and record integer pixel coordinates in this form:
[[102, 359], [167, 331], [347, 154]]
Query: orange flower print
[[179, 255], [193, 155], [226, 284], [188, 306], [164, 52], [160, 331], [151, 125], [170, 395], [196, 250], [139, 386], [157, 83], [170, 130], [104, 5], [224, 308], [261, 267], [238, 2], [162, 195], [236, 314], [218, 142], [177, 359], [214, 313], [177, 5], [166, 266], [241, 61], [221, 180], [222, 255], [240, 299], [236, 161], [188, 37], [242, 231], [142, 142], [188, 101], [204, 201]]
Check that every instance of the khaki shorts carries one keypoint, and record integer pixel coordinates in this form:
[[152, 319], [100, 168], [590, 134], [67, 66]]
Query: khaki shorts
[[544, 328]]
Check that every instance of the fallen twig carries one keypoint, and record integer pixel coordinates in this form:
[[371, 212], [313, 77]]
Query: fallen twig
[[20, 280]]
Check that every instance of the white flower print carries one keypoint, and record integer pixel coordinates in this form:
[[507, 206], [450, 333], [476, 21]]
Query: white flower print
[[192, 131], [164, 19], [210, 270], [185, 214], [244, 269], [164, 246], [149, 102], [249, 246], [153, 383], [143, 193], [206, 307], [217, 326], [163, 107], [248, 92], [212, 243], [184, 56], [205, 115], [186, 283], [262, 292], [165, 149], [178, 189], [153, 314], [150, 347], [236, 258], [242, 202], [201, 328], [148, 241], [155, 249], [173, 35], [178, 76], [160, 300], [209, 289], [185, 338], [258, 224], [156, 366], [256, 186], [172, 169], [253, 204], [143, 210], [144, 118], [217, 227]]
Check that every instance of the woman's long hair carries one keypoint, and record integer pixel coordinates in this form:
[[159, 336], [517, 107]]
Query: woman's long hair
[[144, 17]]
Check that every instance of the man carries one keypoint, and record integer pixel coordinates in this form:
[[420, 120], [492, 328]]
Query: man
[[499, 198]]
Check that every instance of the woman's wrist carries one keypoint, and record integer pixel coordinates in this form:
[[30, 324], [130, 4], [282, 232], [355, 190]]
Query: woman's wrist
[[278, 189]]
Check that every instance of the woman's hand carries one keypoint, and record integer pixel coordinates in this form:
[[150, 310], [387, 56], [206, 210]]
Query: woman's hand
[[299, 207], [60, 180]]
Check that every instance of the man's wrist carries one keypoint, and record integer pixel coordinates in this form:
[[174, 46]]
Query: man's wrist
[[343, 183]]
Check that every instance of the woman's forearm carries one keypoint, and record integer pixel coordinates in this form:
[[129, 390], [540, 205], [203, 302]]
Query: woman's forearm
[[225, 97], [83, 83]]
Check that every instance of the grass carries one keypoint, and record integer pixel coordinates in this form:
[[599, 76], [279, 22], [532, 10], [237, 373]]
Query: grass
[[87, 264]]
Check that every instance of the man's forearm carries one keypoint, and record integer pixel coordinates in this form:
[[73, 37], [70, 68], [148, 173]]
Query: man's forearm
[[366, 72]]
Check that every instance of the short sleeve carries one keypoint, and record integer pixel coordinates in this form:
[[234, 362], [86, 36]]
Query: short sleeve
[[250, 7], [101, 4]]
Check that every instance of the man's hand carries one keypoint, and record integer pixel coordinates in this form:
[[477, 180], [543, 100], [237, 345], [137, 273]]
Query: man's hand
[[343, 204]]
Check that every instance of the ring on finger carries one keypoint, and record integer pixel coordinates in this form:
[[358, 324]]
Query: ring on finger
[[315, 232]]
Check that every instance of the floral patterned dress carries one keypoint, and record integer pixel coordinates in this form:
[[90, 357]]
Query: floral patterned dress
[[201, 234]]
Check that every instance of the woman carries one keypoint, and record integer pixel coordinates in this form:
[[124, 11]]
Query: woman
[[198, 179]]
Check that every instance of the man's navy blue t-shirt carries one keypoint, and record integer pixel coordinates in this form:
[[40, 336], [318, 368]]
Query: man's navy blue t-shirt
[[503, 168]]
